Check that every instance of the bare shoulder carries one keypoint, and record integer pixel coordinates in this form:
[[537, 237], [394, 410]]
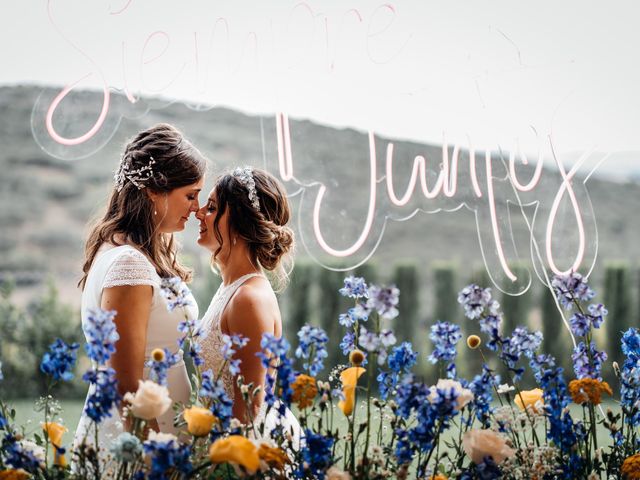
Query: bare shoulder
[[253, 309]]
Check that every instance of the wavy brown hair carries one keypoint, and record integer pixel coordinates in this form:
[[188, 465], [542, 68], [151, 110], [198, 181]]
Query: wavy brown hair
[[268, 237], [129, 216]]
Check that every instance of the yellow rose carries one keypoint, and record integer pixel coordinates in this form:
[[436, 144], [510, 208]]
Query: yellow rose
[[235, 449], [529, 399], [150, 400], [478, 444], [199, 421], [54, 432], [349, 378]]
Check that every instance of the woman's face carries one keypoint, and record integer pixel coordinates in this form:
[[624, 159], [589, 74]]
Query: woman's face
[[207, 215], [175, 207]]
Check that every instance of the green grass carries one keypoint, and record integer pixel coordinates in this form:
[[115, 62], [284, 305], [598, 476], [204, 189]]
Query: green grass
[[27, 417]]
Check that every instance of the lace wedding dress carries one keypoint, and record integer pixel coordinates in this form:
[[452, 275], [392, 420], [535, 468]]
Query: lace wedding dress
[[125, 265], [213, 359]]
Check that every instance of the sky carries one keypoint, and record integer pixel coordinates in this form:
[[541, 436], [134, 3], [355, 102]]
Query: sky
[[490, 74]]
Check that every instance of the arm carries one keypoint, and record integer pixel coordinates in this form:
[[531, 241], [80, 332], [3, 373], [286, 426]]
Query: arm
[[133, 306], [250, 313]]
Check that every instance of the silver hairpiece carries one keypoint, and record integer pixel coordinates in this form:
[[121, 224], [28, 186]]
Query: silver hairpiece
[[245, 176], [136, 176]]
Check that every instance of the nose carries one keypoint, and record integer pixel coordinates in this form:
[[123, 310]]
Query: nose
[[195, 206], [200, 213]]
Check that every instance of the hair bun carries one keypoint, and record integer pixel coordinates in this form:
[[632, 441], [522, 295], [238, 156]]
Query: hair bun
[[284, 238]]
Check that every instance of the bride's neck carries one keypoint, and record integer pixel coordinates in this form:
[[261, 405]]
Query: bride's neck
[[237, 265]]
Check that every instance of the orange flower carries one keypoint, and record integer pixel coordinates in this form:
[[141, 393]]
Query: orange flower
[[439, 476], [588, 390], [273, 456], [631, 467], [54, 432], [199, 421], [235, 449], [304, 391], [12, 474], [529, 399], [349, 378]]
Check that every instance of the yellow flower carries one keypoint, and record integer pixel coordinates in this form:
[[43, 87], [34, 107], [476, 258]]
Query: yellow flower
[[349, 378], [631, 467], [235, 449], [439, 476], [54, 432], [12, 474], [356, 357], [529, 399], [588, 390], [199, 421], [273, 456], [304, 391], [473, 341], [158, 354]]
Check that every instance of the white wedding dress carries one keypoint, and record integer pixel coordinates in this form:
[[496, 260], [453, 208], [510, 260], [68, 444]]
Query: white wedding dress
[[213, 359], [125, 265]]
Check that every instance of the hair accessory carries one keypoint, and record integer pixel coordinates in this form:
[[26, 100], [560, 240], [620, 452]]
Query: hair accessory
[[135, 176], [245, 176]]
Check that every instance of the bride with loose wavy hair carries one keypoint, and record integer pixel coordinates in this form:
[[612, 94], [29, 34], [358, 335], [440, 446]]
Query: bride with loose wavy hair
[[131, 215], [129, 252]]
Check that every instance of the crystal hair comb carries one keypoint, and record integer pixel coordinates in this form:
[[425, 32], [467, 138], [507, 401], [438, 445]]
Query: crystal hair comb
[[245, 176]]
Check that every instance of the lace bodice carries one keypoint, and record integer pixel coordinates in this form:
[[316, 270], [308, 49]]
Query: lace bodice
[[212, 342]]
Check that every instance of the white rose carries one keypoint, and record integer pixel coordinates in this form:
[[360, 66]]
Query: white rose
[[336, 474], [161, 437], [36, 450], [478, 444], [464, 395], [150, 401]]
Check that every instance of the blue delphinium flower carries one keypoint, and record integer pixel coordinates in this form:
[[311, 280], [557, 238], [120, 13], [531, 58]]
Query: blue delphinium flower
[[482, 387], [477, 301], [158, 368], [562, 430], [21, 454], [580, 324], [176, 293], [630, 377], [597, 312], [167, 455], [59, 361], [445, 336], [384, 300], [571, 287], [401, 360], [103, 393], [376, 343], [230, 342], [126, 448], [584, 366], [316, 455], [221, 404], [354, 287], [348, 343], [313, 341], [358, 313], [101, 334], [191, 330], [274, 356]]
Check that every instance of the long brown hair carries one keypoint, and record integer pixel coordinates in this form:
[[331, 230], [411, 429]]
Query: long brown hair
[[268, 237], [129, 217]]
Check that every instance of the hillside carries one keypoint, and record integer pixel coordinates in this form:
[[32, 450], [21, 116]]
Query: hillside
[[47, 202]]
